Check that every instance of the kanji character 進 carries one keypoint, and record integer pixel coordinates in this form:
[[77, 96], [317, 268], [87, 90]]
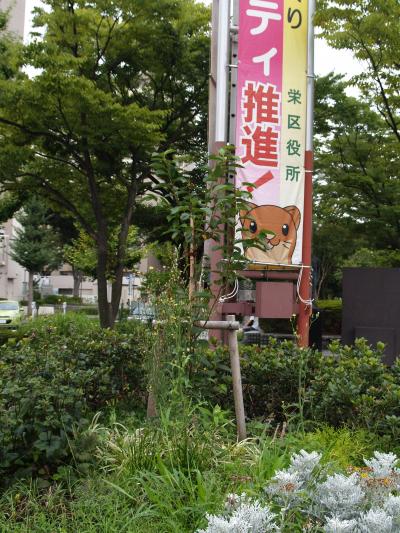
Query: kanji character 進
[[264, 14], [261, 103], [261, 146]]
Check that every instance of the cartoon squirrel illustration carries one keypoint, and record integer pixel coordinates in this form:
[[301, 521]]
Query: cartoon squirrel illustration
[[279, 227]]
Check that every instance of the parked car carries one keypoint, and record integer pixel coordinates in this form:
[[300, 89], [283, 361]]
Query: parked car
[[10, 315]]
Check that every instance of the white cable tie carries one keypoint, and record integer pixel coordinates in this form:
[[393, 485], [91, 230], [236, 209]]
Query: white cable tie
[[310, 301], [222, 299]]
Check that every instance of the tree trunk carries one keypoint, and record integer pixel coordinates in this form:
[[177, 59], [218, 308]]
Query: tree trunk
[[77, 274], [102, 292], [121, 255], [30, 293], [116, 292]]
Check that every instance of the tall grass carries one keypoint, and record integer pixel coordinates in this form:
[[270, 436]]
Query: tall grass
[[165, 475]]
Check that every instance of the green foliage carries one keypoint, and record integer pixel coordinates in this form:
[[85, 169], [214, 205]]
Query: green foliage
[[369, 30], [365, 257], [36, 246], [59, 299], [52, 380], [106, 94], [331, 315], [201, 211], [10, 46], [356, 188], [335, 303], [167, 476], [9, 205], [284, 383], [274, 378], [355, 388], [81, 253], [170, 343], [357, 151]]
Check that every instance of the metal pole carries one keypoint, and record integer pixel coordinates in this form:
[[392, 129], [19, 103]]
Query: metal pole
[[215, 256], [305, 310], [236, 380], [233, 72], [221, 124]]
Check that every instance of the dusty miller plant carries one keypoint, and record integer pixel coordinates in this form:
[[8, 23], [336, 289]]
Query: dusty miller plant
[[364, 500]]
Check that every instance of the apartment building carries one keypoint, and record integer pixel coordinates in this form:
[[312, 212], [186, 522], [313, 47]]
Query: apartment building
[[17, 10], [14, 278]]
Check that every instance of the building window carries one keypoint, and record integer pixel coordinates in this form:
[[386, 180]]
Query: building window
[[65, 292]]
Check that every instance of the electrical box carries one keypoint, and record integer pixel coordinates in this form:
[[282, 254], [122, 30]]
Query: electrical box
[[371, 308], [275, 299]]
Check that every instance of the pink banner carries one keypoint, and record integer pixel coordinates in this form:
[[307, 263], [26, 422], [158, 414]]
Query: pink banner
[[260, 96], [271, 125]]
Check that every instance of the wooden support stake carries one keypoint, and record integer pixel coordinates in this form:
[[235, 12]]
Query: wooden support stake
[[236, 380], [231, 326], [151, 405]]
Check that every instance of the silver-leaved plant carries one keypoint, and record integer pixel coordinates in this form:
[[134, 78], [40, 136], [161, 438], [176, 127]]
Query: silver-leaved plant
[[363, 501]]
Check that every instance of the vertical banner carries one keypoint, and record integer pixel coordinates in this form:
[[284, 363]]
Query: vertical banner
[[271, 126]]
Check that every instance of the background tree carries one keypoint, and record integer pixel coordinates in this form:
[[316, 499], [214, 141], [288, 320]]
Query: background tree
[[10, 59], [80, 253], [370, 30], [357, 191], [358, 162], [36, 246], [108, 93]]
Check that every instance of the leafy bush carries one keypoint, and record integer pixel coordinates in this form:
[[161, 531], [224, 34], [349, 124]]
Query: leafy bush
[[55, 377], [331, 315], [349, 387], [49, 328], [354, 387], [274, 377], [60, 298], [89, 310]]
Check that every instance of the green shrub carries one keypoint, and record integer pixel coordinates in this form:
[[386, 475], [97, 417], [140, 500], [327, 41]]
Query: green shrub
[[85, 310], [355, 388], [277, 325], [57, 299], [349, 387], [331, 315], [274, 377], [53, 380], [46, 328]]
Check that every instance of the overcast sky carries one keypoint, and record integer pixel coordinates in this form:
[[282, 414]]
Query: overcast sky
[[326, 59]]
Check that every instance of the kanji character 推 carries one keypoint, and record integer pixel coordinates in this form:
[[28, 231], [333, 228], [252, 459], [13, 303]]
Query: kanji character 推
[[262, 13], [261, 146], [261, 103]]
